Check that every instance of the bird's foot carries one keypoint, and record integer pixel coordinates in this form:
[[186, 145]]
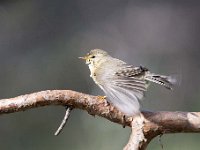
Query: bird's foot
[[103, 99]]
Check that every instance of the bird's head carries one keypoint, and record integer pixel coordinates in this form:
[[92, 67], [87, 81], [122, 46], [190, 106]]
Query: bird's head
[[94, 56]]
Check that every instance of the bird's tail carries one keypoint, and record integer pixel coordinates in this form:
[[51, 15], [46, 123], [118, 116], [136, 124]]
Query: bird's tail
[[166, 81]]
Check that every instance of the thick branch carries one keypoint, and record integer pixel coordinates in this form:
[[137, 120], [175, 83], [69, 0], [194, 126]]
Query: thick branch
[[137, 136], [155, 123]]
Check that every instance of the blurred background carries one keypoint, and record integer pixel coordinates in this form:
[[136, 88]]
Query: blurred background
[[41, 40]]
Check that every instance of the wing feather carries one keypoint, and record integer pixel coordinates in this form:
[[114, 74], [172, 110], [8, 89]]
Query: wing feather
[[125, 100], [126, 88]]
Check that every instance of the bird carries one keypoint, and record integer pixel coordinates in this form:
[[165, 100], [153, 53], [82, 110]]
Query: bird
[[124, 85]]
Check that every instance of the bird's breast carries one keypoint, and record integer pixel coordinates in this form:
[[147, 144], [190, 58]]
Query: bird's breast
[[93, 74]]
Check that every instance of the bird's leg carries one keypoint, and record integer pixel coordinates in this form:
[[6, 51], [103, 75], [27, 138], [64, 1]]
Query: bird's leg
[[103, 99]]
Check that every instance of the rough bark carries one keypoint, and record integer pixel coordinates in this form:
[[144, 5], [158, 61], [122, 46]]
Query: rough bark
[[145, 127]]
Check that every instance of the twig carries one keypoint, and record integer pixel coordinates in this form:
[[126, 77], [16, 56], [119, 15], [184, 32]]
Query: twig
[[63, 123]]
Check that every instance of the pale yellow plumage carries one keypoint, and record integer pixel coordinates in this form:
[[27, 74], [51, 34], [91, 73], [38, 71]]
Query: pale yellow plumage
[[123, 84]]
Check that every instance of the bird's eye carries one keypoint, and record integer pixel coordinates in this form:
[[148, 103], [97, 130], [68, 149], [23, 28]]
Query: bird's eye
[[93, 56]]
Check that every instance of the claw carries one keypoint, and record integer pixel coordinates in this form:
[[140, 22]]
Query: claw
[[102, 98]]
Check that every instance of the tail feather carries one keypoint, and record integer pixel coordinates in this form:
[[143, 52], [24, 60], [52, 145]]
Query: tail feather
[[166, 81]]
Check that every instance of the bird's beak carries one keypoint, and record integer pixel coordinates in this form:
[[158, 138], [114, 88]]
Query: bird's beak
[[84, 58]]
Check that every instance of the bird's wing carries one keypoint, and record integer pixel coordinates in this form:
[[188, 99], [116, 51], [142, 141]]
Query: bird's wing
[[126, 88], [130, 71], [132, 78]]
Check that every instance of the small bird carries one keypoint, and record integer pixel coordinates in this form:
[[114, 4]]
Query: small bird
[[124, 85]]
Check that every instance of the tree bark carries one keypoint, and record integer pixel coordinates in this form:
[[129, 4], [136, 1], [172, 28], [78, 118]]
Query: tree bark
[[145, 126]]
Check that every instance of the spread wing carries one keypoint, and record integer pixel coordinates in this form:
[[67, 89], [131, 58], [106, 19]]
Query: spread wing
[[126, 88], [132, 78]]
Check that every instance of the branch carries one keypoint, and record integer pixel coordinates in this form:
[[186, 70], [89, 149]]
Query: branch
[[64, 121], [137, 136], [151, 123]]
